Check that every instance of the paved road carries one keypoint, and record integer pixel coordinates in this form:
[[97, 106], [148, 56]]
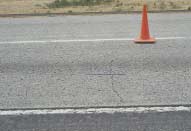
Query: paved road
[[110, 73], [170, 121], [95, 73]]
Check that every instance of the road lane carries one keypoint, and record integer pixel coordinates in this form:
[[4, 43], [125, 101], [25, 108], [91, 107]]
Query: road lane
[[92, 27], [165, 121], [94, 73], [83, 61]]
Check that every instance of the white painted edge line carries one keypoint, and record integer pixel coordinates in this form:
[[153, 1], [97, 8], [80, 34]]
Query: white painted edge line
[[172, 38], [85, 40], [95, 110]]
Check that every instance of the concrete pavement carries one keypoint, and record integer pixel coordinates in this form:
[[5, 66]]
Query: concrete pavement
[[110, 73], [94, 73]]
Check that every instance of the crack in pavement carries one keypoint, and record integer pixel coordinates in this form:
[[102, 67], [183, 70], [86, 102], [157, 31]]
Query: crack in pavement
[[111, 74], [116, 92], [112, 82]]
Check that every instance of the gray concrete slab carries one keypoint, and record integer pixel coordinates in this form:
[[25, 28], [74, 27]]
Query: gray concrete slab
[[58, 75]]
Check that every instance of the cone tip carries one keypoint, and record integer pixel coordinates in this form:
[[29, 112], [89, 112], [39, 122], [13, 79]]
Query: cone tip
[[145, 6]]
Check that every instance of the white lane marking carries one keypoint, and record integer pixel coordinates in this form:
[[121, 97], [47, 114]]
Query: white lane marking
[[95, 110], [85, 40], [172, 38], [64, 41]]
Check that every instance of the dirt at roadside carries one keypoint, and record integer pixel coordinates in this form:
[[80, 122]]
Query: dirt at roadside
[[40, 6]]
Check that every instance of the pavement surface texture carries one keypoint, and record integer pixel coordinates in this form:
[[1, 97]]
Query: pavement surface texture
[[103, 73], [63, 62], [169, 121]]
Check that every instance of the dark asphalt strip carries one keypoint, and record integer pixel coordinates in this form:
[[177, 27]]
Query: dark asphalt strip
[[152, 121]]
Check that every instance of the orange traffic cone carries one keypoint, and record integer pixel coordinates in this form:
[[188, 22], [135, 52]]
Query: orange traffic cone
[[145, 35]]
